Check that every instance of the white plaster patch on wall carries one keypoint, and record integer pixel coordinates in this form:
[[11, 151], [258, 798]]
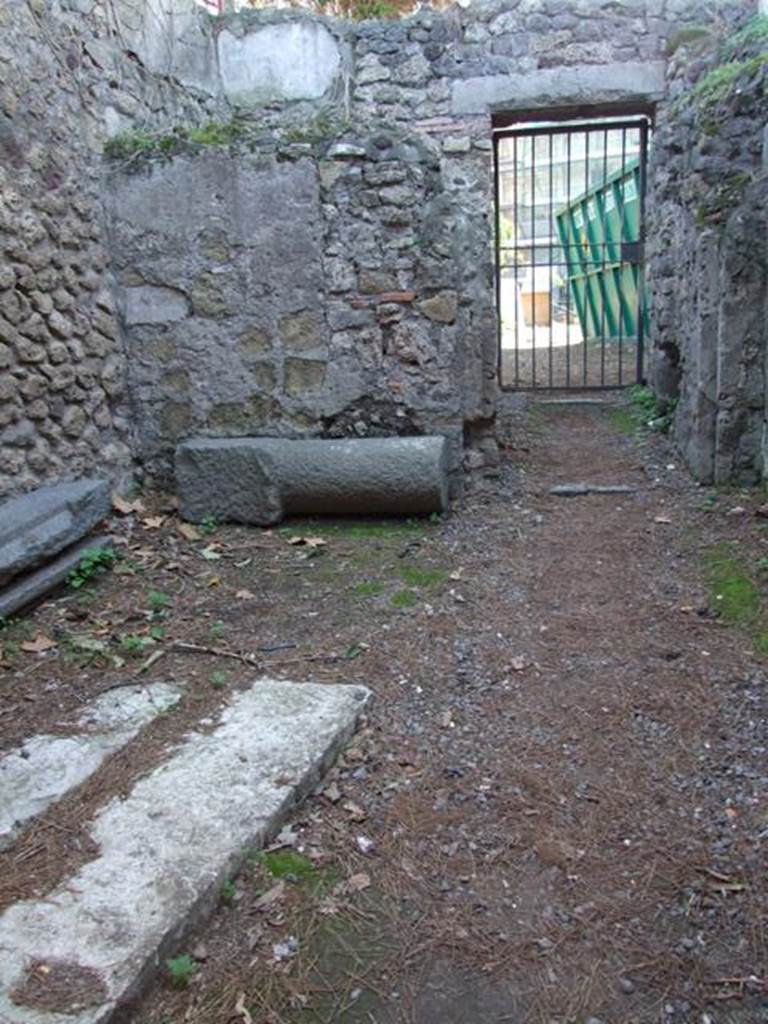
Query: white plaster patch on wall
[[288, 61]]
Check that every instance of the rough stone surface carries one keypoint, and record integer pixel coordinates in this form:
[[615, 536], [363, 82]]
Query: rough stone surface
[[65, 86], [31, 586], [44, 768], [708, 263], [369, 157], [36, 526], [163, 859], [260, 480]]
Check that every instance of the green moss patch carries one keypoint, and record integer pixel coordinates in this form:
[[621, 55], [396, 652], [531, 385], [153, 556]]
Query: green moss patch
[[286, 864], [733, 593], [416, 577], [405, 599]]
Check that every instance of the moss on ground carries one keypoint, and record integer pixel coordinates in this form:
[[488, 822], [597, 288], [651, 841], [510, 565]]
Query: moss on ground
[[734, 594]]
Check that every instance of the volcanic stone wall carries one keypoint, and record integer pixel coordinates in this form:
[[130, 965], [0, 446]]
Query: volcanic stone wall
[[65, 82], [316, 261], [322, 265], [708, 251]]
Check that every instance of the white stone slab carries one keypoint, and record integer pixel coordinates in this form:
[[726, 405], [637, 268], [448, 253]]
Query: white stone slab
[[44, 768], [169, 846], [287, 61]]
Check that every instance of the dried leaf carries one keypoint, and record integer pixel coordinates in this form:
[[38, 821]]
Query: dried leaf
[[241, 1011], [359, 882], [39, 644], [213, 581], [518, 663], [272, 896], [310, 542], [244, 595], [210, 554], [188, 531], [126, 507], [153, 522], [355, 811], [665, 520], [332, 793]]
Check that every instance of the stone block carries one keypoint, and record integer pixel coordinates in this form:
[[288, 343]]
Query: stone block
[[36, 526], [147, 304], [44, 768], [24, 590], [162, 860], [552, 87], [260, 480], [287, 61]]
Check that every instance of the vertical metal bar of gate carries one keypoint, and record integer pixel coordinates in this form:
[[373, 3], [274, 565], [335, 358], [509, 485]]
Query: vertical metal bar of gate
[[578, 292]]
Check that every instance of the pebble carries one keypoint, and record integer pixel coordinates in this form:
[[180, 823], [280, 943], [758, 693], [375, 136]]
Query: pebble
[[627, 986]]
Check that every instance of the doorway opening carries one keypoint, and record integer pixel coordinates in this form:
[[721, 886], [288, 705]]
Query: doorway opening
[[570, 205]]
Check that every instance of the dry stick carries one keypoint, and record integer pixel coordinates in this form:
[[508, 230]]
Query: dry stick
[[219, 652]]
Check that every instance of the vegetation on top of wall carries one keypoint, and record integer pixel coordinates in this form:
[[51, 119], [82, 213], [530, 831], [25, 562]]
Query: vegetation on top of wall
[[132, 146], [724, 78], [753, 33]]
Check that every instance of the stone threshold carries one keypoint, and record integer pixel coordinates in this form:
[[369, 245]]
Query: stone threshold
[[86, 950]]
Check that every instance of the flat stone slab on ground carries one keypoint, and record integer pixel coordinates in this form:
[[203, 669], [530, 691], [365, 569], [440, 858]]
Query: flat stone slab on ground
[[260, 480], [167, 848], [25, 589], [578, 490], [44, 768], [36, 526]]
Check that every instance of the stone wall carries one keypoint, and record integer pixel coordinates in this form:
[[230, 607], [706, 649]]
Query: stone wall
[[301, 290], [329, 269], [318, 262], [708, 251], [65, 82]]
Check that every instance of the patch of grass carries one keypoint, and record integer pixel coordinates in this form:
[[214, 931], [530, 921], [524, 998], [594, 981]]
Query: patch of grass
[[753, 33], [216, 632], [405, 599], [180, 970], [209, 525], [371, 588], [227, 893], [133, 644], [95, 562], [644, 411], [416, 577], [218, 679], [718, 83], [158, 601], [287, 865], [733, 593]]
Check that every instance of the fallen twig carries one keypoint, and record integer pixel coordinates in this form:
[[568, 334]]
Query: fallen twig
[[218, 652]]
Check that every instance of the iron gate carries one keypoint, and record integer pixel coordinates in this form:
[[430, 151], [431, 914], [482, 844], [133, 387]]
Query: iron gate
[[570, 200]]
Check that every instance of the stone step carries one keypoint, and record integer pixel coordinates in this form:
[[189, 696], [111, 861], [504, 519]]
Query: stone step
[[84, 951], [29, 587], [36, 526], [43, 769]]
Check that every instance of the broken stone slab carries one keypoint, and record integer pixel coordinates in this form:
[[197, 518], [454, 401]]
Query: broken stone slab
[[168, 847], [23, 590], [45, 768], [36, 526], [576, 490], [261, 480]]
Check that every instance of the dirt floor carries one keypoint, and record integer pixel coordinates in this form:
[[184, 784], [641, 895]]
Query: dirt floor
[[557, 809]]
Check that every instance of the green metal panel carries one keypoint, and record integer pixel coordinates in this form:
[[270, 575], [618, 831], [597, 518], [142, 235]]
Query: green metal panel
[[592, 229]]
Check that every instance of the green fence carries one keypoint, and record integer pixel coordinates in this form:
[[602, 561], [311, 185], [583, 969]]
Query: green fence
[[592, 229]]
